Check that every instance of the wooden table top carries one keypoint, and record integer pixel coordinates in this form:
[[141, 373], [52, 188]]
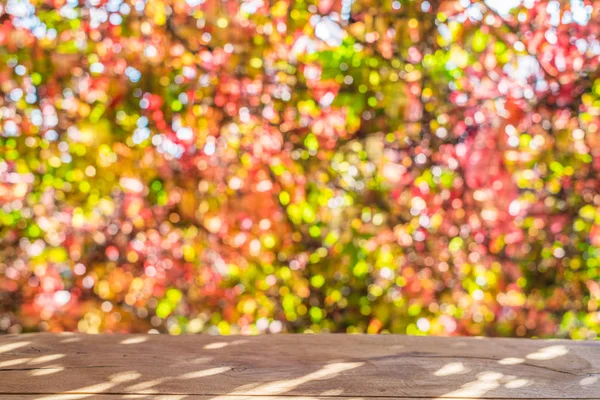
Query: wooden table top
[[77, 366]]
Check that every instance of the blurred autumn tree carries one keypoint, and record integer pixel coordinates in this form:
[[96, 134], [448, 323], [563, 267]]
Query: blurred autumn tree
[[421, 167]]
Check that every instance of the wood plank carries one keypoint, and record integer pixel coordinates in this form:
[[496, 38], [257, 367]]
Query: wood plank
[[194, 397], [302, 366], [190, 397]]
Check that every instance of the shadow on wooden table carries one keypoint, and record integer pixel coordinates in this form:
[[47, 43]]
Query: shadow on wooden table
[[75, 366]]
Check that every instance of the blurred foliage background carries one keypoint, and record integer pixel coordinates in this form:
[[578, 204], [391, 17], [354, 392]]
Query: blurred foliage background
[[407, 166]]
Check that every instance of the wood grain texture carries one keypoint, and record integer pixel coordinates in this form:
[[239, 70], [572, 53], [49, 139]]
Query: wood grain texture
[[70, 366]]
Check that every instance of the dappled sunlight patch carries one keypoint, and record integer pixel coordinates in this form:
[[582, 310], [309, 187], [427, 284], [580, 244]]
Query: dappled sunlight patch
[[148, 385], [199, 360], [489, 376], [124, 376], [332, 392], [548, 353], [248, 387], [220, 345], [10, 363], [12, 346], [283, 386], [48, 370], [511, 361], [517, 383], [216, 345], [143, 386], [450, 369], [135, 340], [485, 382], [92, 390], [207, 372], [590, 380], [71, 340]]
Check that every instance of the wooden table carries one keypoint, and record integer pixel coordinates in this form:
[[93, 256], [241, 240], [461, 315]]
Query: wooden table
[[76, 366]]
